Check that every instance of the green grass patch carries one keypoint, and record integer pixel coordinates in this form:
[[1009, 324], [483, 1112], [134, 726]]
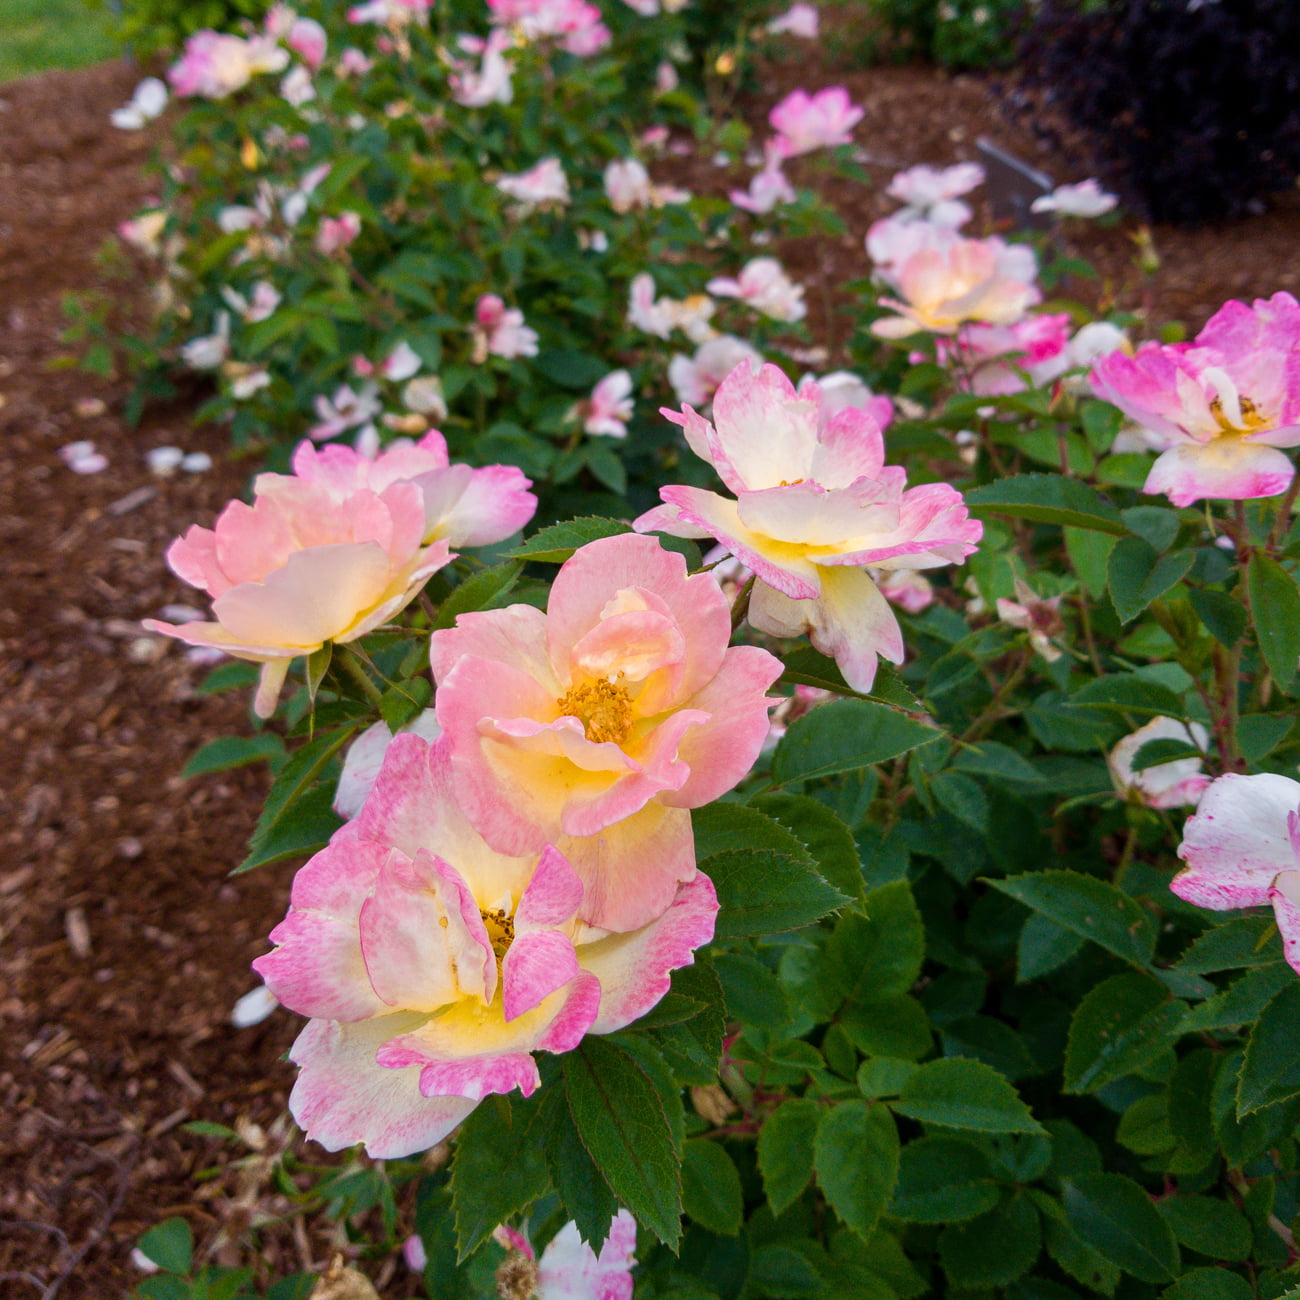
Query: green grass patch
[[38, 35]]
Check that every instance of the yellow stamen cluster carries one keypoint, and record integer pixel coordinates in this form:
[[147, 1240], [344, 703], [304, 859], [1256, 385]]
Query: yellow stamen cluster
[[603, 707], [1251, 419], [501, 930]]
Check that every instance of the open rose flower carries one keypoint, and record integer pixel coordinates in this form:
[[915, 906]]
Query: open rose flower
[[944, 287], [1223, 404], [569, 1269], [596, 726], [815, 503], [764, 286], [931, 193], [1242, 849], [804, 122], [333, 550], [214, 64], [433, 967]]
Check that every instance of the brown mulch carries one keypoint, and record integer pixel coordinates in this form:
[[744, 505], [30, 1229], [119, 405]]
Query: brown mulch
[[123, 944]]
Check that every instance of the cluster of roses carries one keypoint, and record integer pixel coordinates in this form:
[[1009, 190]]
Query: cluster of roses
[[974, 295], [528, 876]]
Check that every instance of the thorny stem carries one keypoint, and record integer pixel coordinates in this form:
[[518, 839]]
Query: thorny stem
[[994, 712], [1283, 514]]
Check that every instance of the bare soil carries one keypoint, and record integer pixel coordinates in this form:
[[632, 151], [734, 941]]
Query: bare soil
[[123, 944]]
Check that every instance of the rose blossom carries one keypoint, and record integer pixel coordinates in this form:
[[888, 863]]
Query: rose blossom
[[432, 967], [606, 412], [767, 188], [596, 726], [660, 316], [336, 233], [491, 83], [214, 65], [1163, 785], [1040, 616], [804, 122], [569, 1269], [944, 288], [815, 503], [1086, 199], [695, 379], [147, 101], [543, 183], [499, 331], [763, 285], [628, 186], [931, 193], [1224, 403], [799, 20], [999, 359], [843, 391], [335, 549], [1242, 849]]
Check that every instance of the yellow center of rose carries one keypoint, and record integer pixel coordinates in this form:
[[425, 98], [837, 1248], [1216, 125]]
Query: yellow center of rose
[[501, 930], [603, 707], [1251, 419]]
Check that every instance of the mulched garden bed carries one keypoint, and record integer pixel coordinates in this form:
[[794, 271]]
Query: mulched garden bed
[[124, 944]]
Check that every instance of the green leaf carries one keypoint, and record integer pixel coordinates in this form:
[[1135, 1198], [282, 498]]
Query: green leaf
[[292, 782], [302, 828], [1208, 1226], [484, 590], [170, 1244], [1070, 1251], [1089, 554], [1223, 616], [694, 1046], [896, 1026], [1121, 1025], [762, 892], [1047, 499], [1130, 693], [1043, 947], [1270, 1072], [1157, 525], [228, 752], [780, 1271], [884, 1076], [842, 737], [942, 1180], [1137, 574], [1242, 1002], [499, 1168], [879, 954], [1118, 1220], [711, 1192], [580, 1184], [1090, 907], [403, 701], [555, 544], [621, 1114], [318, 664], [753, 993], [785, 1150], [1209, 1284], [959, 1092], [825, 836], [809, 667], [993, 1249], [720, 827], [1275, 604], [1258, 734], [1230, 945], [856, 1160], [1166, 750]]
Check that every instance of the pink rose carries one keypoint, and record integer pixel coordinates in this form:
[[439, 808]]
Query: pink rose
[[1224, 403], [804, 122], [596, 726], [1242, 849], [569, 1269], [814, 504], [335, 549], [433, 967]]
